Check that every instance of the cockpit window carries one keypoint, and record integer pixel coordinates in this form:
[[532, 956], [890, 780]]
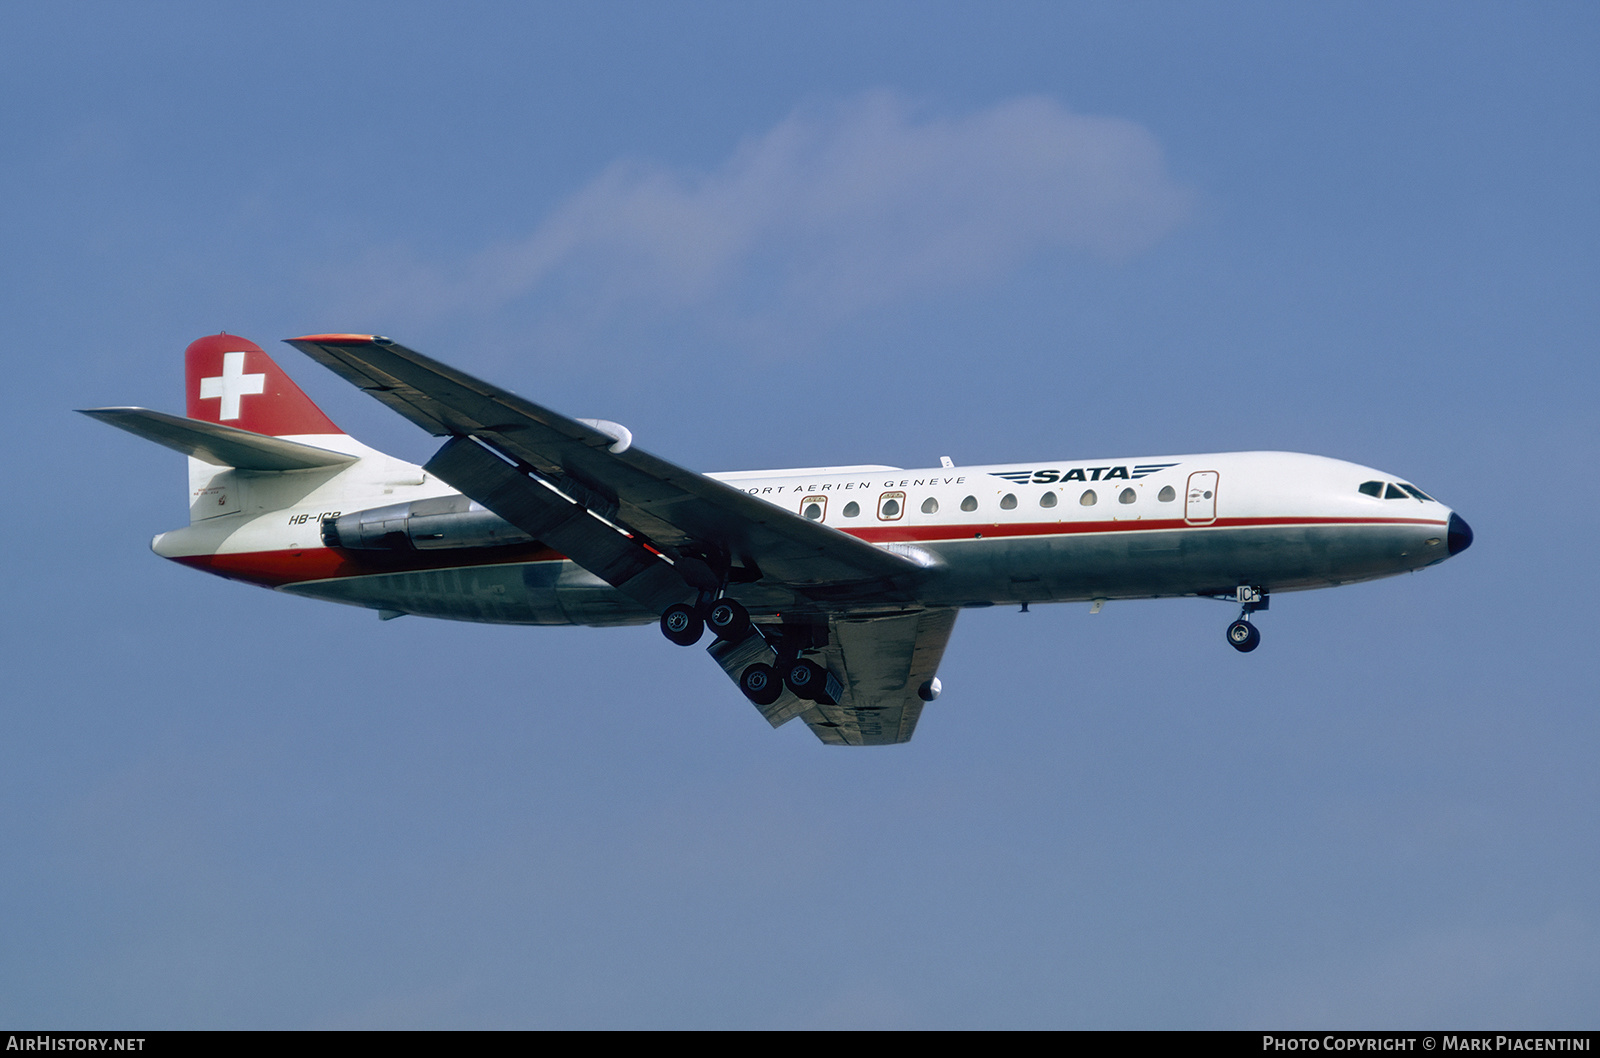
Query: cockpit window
[[1418, 493], [1372, 488], [1394, 493]]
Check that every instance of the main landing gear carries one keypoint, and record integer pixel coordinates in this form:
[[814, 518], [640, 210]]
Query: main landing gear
[[1242, 635], [805, 678], [763, 681], [764, 661], [685, 624], [762, 684]]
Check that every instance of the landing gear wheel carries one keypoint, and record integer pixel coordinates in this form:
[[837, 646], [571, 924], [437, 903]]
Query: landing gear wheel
[[760, 684], [682, 624], [1243, 636], [728, 620], [806, 679]]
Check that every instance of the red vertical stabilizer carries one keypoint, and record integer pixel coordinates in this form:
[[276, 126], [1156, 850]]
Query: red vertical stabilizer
[[232, 381]]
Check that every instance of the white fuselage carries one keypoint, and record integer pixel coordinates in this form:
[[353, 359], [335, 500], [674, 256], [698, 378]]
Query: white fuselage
[[1046, 531]]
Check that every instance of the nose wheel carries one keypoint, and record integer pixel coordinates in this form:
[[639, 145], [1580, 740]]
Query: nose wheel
[[1242, 635]]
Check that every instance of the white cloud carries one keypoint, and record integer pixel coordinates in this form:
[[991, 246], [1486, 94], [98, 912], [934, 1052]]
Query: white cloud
[[836, 209]]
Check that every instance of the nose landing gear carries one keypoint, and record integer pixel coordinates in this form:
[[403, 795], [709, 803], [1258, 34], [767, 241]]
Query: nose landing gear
[[1242, 635]]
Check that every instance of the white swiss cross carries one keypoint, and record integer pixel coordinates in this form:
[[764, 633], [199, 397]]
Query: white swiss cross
[[231, 385]]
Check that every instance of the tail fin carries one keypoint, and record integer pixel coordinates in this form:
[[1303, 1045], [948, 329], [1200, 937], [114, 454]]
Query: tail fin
[[233, 382]]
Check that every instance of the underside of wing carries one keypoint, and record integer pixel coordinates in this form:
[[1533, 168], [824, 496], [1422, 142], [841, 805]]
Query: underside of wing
[[554, 472], [883, 663]]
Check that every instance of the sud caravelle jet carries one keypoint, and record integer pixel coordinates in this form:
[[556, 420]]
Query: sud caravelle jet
[[831, 591]]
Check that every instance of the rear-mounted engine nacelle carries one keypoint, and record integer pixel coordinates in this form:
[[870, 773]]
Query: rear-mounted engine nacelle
[[422, 525]]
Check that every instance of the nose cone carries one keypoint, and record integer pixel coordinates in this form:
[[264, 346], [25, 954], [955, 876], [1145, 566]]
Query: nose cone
[[1459, 537]]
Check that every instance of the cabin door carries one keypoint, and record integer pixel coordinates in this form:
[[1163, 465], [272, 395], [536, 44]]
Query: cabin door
[[1200, 504]]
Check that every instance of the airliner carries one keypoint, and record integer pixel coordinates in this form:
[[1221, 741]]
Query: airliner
[[829, 592]]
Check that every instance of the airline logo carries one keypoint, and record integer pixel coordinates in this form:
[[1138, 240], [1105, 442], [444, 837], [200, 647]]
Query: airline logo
[[232, 386], [1050, 475], [233, 382]]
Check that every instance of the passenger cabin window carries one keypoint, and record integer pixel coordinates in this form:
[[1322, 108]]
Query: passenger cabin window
[[1167, 494], [1394, 493], [1127, 496], [1088, 499], [1372, 488], [1008, 502], [969, 504], [1047, 500], [930, 506], [891, 505], [852, 509], [814, 507]]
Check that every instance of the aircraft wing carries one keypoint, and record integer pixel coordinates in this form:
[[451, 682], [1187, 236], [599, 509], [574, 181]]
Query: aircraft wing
[[651, 502], [881, 661]]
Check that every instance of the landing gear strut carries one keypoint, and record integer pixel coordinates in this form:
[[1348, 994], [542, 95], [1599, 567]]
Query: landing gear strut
[[1242, 635]]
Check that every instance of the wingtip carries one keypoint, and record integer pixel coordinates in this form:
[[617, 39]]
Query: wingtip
[[342, 339]]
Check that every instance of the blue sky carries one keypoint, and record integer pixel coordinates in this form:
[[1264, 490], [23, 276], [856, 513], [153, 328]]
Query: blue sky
[[772, 235]]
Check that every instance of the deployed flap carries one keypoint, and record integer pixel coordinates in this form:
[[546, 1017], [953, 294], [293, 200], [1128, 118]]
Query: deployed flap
[[672, 507], [882, 661], [223, 446], [560, 523]]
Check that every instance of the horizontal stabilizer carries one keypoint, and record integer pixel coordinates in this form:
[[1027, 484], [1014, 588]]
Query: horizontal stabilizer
[[223, 446]]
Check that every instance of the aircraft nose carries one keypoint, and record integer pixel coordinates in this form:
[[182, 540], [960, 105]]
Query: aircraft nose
[[1459, 536]]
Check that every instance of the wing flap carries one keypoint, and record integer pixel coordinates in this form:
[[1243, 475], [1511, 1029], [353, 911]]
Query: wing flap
[[560, 523], [223, 446]]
